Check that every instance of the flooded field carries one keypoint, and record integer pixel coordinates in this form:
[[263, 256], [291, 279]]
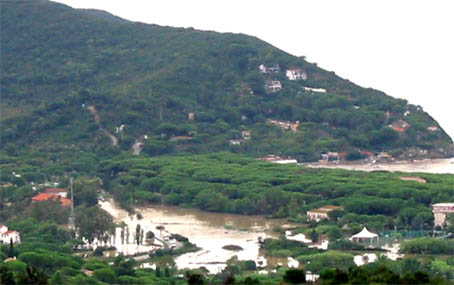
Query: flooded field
[[209, 231], [426, 166]]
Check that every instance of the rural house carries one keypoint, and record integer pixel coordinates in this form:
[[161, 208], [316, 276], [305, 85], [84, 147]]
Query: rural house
[[6, 236], [296, 74], [271, 69], [65, 202]]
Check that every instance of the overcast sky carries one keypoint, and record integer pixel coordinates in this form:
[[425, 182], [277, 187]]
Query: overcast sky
[[404, 48]]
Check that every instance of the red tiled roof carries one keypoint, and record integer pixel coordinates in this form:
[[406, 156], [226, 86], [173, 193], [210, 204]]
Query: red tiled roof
[[65, 202], [44, 197], [10, 232]]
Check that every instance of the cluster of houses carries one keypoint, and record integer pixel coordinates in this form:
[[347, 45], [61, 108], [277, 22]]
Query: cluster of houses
[[7, 236], [53, 194], [293, 73]]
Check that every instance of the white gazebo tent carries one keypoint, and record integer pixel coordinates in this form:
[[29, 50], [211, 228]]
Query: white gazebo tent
[[364, 236]]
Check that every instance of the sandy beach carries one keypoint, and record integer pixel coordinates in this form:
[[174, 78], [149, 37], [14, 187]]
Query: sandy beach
[[445, 166]]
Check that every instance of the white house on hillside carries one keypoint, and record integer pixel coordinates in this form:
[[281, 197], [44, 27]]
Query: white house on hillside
[[269, 69], [296, 74], [7, 236]]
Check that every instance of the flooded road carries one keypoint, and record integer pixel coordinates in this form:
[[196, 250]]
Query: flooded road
[[439, 166], [209, 231]]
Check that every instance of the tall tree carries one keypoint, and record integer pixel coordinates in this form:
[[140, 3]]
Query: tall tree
[[93, 223]]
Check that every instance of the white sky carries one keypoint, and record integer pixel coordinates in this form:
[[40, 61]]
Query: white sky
[[404, 48]]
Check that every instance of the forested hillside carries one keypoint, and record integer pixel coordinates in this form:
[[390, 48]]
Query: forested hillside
[[78, 81]]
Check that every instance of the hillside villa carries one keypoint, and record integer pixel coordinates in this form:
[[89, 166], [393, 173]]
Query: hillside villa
[[321, 213], [6, 236], [296, 74], [269, 69]]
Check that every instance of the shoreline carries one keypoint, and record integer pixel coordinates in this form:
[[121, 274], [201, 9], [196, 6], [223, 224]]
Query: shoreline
[[435, 166]]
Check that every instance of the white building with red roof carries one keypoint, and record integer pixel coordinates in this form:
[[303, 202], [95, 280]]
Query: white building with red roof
[[6, 236]]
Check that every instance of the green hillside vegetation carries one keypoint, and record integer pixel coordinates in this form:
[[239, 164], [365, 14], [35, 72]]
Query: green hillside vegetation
[[59, 61], [230, 183]]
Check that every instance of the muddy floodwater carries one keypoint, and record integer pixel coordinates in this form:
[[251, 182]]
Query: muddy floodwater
[[425, 166], [209, 231]]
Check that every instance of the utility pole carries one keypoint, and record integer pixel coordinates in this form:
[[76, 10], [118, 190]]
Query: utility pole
[[71, 219]]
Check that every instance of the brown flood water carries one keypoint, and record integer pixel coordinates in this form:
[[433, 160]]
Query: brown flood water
[[209, 231]]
